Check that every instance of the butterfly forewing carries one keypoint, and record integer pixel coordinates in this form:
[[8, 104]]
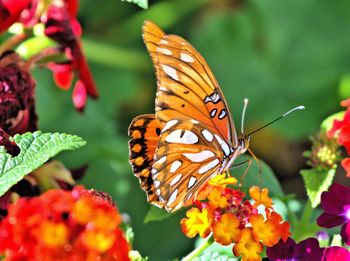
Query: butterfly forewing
[[186, 86], [188, 155]]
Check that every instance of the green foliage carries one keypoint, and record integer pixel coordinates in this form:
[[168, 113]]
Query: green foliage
[[156, 214], [259, 174], [141, 3], [36, 149], [344, 87], [208, 256], [316, 181]]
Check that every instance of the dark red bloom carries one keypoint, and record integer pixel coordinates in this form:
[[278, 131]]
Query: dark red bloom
[[336, 205], [62, 27], [10, 11], [17, 110], [306, 250]]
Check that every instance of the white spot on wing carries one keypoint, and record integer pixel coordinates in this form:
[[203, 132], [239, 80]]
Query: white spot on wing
[[172, 197], [182, 137], [175, 180], [200, 156], [156, 183], [207, 135], [163, 89], [169, 124], [170, 71], [186, 58], [175, 166], [194, 121], [164, 50], [222, 114], [223, 145], [161, 160], [163, 42], [191, 182], [208, 166]]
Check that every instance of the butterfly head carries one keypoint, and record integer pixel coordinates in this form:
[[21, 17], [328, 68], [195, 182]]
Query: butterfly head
[[244, 142]]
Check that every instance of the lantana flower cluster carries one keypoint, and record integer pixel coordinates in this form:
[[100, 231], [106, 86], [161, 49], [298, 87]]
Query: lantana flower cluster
[[63, 225], [231, 218], [341, 131]]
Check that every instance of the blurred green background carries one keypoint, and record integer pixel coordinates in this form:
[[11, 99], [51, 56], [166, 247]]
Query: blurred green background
[[279, 54]]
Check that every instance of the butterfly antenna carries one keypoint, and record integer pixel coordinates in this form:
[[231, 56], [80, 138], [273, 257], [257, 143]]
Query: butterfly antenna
[[243, 115], [277, 119]]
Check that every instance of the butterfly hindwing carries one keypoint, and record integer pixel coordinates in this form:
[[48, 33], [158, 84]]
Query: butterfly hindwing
[[188, 154], [144, 132], [186, 86]]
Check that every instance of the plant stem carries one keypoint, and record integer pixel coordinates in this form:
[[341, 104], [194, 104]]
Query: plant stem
[[10, 43], [196, 252], [305, 218]]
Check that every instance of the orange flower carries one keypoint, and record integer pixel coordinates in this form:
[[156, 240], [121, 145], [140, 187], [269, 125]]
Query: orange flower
[[282, 227], [217, 199], [63, 225], [54, 234], [260, 197], [247, 247], [226, 230], [197, 222], [264, 230]]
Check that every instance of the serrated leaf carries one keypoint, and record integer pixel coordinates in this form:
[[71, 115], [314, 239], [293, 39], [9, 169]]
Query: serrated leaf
[[316, 181], [141, 3], [36, 149], [156, 214], [209, 256]]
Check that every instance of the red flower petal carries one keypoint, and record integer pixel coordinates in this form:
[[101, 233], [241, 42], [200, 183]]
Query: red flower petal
[[346, 165], [79, 96], [10, 12], [62, 75]]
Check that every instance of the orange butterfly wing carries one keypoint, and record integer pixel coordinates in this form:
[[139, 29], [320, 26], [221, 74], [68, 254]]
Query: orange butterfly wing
[[188, 155], [144, 132], [186, 86]]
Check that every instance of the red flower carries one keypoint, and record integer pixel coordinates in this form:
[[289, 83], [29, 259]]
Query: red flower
[[10, 11], [63, 225], [341, 131], [17, 111], [61, 26]]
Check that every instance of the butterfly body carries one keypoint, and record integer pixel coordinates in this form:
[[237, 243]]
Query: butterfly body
[[191, 137]]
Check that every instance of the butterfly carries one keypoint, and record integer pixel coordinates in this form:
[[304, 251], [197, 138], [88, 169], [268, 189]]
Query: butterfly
[[191, 137]]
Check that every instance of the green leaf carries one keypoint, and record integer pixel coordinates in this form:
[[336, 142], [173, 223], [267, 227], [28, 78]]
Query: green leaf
[[213, 255], [344, 87], [156, 214], [261, 176], [36, 149], [141, 3], [316, 181]]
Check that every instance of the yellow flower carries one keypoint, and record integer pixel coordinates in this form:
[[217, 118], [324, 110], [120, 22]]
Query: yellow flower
[[217, 199], [247, 247], [54, 234], [197, 222], [98, 240], [226, 231], [265, 231], [260, 197], [222, 181]]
